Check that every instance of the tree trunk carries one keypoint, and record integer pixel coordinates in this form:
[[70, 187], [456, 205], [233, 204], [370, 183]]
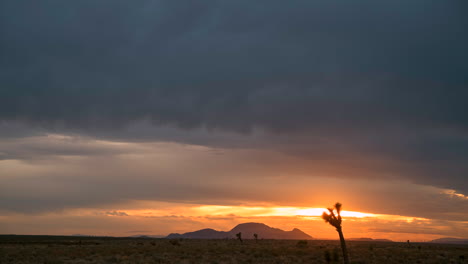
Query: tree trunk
[[343, 246]]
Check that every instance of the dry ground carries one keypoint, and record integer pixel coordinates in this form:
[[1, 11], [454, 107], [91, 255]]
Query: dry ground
[[55, 250]]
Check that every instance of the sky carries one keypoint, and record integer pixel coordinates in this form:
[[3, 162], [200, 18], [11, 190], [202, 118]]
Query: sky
[[151, 117]]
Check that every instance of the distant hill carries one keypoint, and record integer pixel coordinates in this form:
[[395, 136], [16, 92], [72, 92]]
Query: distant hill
[[450, 240], [207, 233], [369, 239], [80, 235], [247, 230], [382, 240], [147, 236]]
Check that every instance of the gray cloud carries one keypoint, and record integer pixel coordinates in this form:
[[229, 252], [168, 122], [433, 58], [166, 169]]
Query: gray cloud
[[51, 146], [115, 213], [204, 176]]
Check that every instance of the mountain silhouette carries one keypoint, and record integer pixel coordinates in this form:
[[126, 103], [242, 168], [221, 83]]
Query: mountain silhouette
[[247, 230], [450, 240], [368, 239], [207, 233]]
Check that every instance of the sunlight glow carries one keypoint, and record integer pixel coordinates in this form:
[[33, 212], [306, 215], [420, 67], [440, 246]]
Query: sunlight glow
[[249, 211], [148, 210], [319, 212]]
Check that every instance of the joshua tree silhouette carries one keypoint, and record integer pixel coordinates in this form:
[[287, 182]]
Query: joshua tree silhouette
[[256, 237], [239, 236], [335, 220]]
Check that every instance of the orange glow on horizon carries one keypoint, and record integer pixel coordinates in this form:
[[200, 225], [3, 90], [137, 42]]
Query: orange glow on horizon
[[164, 218], [319, 212], [260, 211]]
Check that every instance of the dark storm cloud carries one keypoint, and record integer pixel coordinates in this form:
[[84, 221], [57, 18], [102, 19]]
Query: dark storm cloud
[[385, 79], [208, 63]]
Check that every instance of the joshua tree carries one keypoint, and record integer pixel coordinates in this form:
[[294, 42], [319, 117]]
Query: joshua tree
[[239, 236], [256, 237], [334, 219]]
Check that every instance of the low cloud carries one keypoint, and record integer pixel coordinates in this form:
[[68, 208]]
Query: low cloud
[[211, 176], [115, 213]]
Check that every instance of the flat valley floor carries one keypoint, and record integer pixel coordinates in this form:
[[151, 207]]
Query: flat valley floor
[[57, 249]]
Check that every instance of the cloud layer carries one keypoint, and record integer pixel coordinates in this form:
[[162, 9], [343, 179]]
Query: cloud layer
[[234, 66]]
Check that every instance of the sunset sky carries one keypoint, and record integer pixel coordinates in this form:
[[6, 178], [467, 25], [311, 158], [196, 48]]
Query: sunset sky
[[125, 118]]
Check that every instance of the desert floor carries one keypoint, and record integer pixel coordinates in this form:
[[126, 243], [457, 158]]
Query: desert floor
[[55, 250]]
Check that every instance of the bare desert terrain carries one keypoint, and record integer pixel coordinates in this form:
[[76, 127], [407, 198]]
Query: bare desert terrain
[[81, 250]]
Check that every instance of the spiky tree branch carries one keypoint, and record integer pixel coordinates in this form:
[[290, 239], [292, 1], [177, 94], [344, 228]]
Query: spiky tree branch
[[239, 236], [334, 219]]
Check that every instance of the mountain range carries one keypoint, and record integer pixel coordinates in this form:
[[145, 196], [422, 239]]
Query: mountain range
[[247, 229], [368, 239], [450, 240]]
